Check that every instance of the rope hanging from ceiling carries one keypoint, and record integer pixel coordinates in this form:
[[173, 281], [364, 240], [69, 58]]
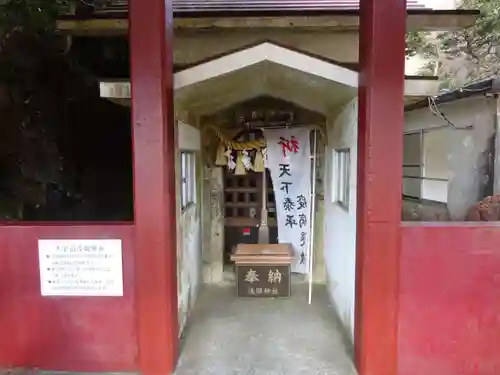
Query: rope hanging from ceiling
[[244, 152], [235, 145], [249, 145]]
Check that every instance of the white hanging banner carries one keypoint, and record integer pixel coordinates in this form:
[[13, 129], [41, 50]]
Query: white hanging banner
[[289, 161]]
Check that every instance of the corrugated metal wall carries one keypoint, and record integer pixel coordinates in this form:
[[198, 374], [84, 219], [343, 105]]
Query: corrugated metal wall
[[121, 6]]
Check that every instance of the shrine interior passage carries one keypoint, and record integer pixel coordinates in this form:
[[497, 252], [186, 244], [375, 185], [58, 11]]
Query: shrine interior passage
[[262, 336]]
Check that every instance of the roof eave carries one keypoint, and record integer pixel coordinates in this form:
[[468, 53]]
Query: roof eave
[[488, 86], [341, 20], [273, 12]]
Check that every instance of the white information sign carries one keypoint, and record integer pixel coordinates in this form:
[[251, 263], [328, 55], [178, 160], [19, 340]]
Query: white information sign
[[81, 267]]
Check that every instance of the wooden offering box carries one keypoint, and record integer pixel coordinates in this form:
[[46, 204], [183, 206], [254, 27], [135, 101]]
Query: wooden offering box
[[263, 270]]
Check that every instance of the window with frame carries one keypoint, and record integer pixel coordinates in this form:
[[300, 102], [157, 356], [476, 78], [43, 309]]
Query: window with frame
[[188, 178], [340, 183], [426, 168]]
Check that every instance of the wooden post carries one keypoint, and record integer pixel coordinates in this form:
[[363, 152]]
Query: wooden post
[[380, 143], [154, 185]]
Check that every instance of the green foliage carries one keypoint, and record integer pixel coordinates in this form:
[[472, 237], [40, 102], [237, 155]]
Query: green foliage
[[30, 51], [35, 15], [414, 41], [466, 55]]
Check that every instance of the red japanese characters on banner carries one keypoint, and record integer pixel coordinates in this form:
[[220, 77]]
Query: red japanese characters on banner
[[291, 145]]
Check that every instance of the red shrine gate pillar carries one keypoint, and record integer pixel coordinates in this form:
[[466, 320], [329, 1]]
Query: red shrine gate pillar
[[151, 75], [380, 147]]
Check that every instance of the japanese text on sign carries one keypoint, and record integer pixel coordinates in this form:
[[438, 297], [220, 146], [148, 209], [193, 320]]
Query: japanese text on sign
[[289, 161], [274, 277], [295, 208], [289, 145], [80, 267]]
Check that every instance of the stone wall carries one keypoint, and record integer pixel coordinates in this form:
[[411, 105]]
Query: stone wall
[[417, 210]]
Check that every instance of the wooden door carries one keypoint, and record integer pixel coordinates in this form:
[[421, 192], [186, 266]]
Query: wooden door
[[243, 207]]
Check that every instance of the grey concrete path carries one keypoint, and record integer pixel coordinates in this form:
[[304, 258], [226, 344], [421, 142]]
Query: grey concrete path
[[231, 336]]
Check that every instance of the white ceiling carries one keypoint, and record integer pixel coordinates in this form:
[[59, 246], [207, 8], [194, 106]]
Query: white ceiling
[[264, 78]]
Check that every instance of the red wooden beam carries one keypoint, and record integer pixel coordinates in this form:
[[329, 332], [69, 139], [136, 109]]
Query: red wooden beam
[[151, 38], [380, 144]]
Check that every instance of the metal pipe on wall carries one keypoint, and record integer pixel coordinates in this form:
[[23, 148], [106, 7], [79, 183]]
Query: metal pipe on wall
[[312, 214], [416, 131], [496, 147]]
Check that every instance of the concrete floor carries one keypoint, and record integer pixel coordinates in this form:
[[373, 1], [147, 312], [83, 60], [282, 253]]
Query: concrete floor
[[231, 336]]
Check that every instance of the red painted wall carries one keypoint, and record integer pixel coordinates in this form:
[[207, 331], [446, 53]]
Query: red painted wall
[[449, 316], [55, 333]]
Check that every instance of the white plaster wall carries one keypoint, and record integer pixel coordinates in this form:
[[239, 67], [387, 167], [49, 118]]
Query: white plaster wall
[[189, 137], [436, 149], [189, 256], [339, 223], [189, 262], [461, 156], [412, 159]]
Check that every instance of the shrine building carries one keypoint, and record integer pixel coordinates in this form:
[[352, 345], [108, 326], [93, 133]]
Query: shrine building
[[280, 153]]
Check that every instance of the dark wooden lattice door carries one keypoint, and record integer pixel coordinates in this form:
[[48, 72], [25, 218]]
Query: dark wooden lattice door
[[243, 208]]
